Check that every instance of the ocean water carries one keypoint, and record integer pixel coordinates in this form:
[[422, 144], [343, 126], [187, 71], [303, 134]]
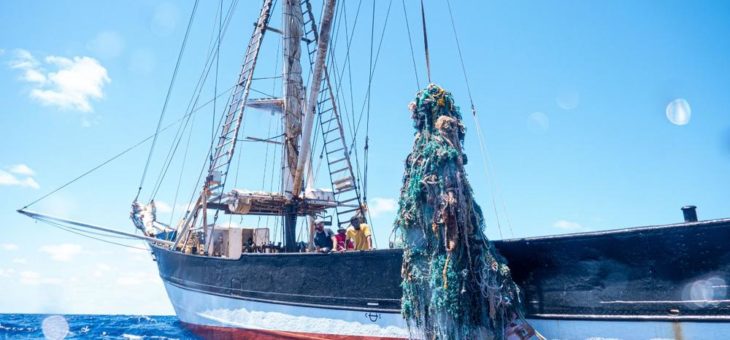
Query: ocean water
[[128, 327]]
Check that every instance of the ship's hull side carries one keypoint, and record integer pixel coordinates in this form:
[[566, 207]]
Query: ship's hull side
[[219, 317], [334, 295], [673, 273], [659, 282]]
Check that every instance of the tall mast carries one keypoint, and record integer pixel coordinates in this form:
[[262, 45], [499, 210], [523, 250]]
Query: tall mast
[[311, 108], [293, 90], [290, 218]]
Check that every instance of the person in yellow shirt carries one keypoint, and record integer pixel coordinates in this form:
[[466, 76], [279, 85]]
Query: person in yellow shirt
[[360, 234]]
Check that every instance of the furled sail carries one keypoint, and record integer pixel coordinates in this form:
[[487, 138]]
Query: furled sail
[[455, 284]]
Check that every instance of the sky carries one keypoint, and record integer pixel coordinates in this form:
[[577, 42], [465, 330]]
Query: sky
[[594, 115]]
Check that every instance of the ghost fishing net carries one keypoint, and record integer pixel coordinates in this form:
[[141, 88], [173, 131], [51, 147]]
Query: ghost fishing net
[[455, 285]]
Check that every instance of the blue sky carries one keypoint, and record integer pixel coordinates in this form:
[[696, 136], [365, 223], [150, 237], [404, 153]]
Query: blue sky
[[572, 99]]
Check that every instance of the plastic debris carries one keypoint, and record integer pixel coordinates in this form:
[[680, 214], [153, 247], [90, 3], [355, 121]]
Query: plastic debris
[[455, 284]]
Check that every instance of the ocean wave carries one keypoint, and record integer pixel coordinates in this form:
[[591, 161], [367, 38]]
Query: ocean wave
[[123, 327]]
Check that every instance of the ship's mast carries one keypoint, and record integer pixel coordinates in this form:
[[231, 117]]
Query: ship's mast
[[293, 89], [293, 100], [291, 63], [289, 203]]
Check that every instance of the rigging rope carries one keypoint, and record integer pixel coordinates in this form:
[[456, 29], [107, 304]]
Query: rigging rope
[[81, 233], [217, 64], [182, 168], [167, 98], [120, 154], [212, 52], [367, 119], [372, 74]]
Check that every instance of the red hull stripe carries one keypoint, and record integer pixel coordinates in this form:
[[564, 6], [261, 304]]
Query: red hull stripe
[[226, 333]]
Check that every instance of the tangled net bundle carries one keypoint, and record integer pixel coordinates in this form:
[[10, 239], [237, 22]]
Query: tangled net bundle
[[455, 284]]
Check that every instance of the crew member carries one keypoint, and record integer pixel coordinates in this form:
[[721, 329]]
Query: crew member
[[324, 239], [343, 243], [360, 234]]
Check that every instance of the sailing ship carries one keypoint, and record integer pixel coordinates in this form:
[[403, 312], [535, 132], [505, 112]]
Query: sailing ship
[[667, 281]]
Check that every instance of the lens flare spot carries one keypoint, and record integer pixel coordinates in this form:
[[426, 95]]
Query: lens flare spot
[[679, 112], [568, 100], [55, 327], [538, 122]]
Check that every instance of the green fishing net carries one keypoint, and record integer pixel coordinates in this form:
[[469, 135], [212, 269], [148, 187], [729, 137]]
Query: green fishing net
[[455, 284]]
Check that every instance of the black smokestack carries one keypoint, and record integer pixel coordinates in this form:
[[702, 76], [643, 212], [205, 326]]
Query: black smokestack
[[690, 213]]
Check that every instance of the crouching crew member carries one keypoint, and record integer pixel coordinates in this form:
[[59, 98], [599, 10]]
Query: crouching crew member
[[360, 234], [324, 239], [343, 243]]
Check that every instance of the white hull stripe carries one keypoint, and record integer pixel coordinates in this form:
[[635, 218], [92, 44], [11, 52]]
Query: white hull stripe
[[203, 309]]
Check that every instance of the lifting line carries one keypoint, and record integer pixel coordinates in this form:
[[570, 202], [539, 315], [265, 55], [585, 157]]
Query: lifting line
[[410, 43], [482, 145], [425, 42]]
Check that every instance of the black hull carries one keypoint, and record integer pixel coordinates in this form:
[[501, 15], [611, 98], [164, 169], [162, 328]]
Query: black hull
[[675, 272]]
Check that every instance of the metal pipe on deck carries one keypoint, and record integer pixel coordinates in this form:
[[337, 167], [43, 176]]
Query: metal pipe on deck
[[690, 213]]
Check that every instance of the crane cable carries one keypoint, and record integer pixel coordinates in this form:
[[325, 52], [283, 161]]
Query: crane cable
[[425, 42], [410, 43], [480, 135]]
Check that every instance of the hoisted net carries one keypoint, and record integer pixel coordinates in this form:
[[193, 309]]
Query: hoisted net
[[455, 284]]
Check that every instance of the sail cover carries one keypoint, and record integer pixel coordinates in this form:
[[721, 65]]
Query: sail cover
[[455, 284]]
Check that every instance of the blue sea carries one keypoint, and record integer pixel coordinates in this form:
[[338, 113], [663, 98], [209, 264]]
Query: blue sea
[[128, 327]]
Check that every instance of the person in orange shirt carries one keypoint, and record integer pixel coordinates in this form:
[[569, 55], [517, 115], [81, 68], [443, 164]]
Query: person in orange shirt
[[360, 234]]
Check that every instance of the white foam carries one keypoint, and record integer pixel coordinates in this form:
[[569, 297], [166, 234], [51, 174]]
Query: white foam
[[243, 318]]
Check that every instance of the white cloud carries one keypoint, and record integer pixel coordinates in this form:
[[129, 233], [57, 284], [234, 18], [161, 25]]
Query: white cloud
[[136, 278], [25, 62], [567, 225], [9, 246], [34, 278], [101, 269], [73, 84], [20, 260], [380, 205], [107, 44], [129, 281], [7, 272], [29, 277], [21, 169], [62, 252], [137, 251], [163, 207], [6, 178]]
